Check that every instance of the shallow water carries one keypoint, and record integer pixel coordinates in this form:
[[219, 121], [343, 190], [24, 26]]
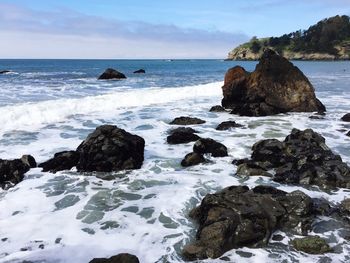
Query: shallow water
[[50, 106]]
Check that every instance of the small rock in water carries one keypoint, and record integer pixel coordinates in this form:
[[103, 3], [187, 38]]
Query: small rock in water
[[120, 258], [226, 125], [4, 71], [346, 117], [192, 159], [186, 121], [142, 71], [182, 135], [112, 74], [217, 108], [207, 145], [311, 245]]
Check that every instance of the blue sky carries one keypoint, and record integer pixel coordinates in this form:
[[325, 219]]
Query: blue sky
[[149, 29]]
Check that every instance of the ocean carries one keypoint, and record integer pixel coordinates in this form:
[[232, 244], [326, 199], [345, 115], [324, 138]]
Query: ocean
[[47, 106]]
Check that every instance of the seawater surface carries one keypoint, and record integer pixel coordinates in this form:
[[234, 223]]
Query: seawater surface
[[47, 106]]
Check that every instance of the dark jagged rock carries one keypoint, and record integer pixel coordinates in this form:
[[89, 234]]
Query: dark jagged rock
[[226, 125], [238, 217], [65, 160], [251, 169], [207, 145], [12, 171], [140, 71], [4, 71], [311, 245], [182, 135], [121, 258], [346, 117], [276, 86], [109, 148], [344, 208], [302, 158], [192, 159], [112, 74], [186, 121], [348, 134], [217, 108]]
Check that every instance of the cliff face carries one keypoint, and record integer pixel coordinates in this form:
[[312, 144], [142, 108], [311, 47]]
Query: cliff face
[[329, 39]]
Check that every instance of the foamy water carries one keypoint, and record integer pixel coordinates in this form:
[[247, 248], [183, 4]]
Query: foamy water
[[73, 217]]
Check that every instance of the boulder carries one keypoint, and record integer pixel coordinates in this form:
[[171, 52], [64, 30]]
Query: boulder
[[12, 171], [217, 108], [186, 121], [276, 86], [112, 74], [182, 135], [311, 245], [344, 208], [192, 159], [241, 217], [226, 125], [346, 117], [207, 145], [302, 158], [120, 258], [140, 71], [110, 148], [65, 160]]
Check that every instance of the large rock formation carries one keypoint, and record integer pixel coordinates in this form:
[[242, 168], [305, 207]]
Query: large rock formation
[[12, 171], [109, 148], [276, 86], [112, 74], [120, 258], [238, 217], [302, 158]]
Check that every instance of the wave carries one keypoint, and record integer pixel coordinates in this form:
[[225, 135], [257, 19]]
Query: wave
[[34, 115]]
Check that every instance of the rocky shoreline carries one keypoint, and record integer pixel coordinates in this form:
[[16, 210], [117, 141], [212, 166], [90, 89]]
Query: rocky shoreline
[[236, 216]]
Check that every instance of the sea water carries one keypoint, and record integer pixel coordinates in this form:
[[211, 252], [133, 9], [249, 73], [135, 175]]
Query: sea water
[[47, 106]]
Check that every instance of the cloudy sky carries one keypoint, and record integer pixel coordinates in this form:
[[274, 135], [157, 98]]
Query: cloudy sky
[[149, 28]]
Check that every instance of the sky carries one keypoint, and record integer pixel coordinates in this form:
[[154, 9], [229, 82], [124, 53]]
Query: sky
[[116, 29]]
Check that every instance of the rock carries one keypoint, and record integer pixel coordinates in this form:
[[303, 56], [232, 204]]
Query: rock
[[276, 86], [182, 135], [226, 125], [345, 207], [65, 160], [182, 129], [142, 71], [121, 258], [239, 217], [112, 74], [12, 171], [186, 121], [211, 146], [311, 245], [247, 169], [192, 159], [217, 108], [110, 148], [346, 117], [348, 134], [302, 158], [4, 71]]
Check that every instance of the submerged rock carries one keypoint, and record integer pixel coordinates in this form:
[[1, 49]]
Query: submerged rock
[[207, 145], [4, 71], [226, 125], [192, 159], [311, 245], [239, 217], [140, 71], [112, 74], [302, 158], [121, 258], [110, 148], [217, 108], [346, 117], [186, 121], [276, 86], [182, 135], [12, 171], [65, 160]]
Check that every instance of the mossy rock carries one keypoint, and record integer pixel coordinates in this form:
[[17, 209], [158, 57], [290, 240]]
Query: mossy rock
[[311, 245]]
